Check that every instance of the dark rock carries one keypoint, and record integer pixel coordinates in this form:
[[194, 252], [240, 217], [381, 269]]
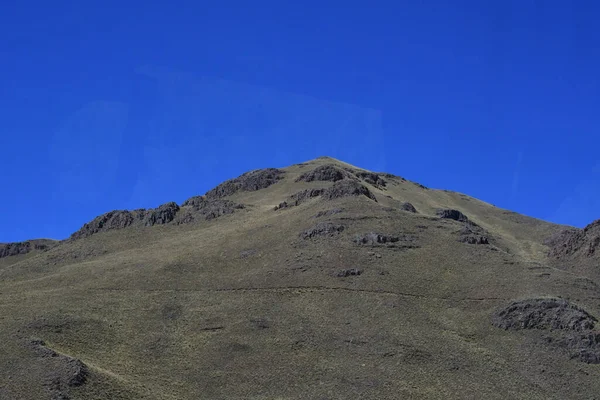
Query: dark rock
[[203, 208], [300, 197], [371, 177], [346, 188], [326, 172], [452, 214], [408, 207], [349, 272], [248, 182], [161, 215], [117, 219], [283, 204], [576, 242], [548, 313], [328, 213], [474, 240], [583, 346], [373, 238], [14, 249], [78, 371], [322, 229]]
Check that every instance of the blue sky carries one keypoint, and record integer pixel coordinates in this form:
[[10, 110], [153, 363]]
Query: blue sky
[[112, 105]]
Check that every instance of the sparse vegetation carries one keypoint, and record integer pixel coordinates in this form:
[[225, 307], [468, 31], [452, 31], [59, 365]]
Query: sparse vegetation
[[343, 295]]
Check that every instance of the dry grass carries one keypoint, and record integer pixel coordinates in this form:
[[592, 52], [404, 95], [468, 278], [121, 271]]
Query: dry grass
[[241, 307]]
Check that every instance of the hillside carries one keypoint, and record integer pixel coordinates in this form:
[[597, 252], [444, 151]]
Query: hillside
[[320, 280]]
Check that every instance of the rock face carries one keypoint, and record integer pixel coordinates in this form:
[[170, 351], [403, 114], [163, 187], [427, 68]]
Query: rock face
[[474, 239], [349, 272], [322, 229], [576, 242], [570, 327], [548, 313], [373, 238], [345, 188], [327, 172], [199, 207], [195, 208], [161, 215], [18, 248], [583, 346], [117, 219], [371, 178], [248, 182], [300, 197], [452, 214]]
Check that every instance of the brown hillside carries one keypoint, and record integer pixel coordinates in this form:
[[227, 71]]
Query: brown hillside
[[316, 281]]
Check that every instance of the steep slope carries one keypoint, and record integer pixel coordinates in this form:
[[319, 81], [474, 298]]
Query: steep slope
[[318, 280]]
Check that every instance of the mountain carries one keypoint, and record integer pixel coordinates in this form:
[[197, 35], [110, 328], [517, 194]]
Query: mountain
[[320, 280]]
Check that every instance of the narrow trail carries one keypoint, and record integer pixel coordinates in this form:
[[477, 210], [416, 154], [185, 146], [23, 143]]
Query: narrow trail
[[308, 289]]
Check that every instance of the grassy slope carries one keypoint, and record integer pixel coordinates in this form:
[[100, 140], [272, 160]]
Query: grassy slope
[[176, 312]]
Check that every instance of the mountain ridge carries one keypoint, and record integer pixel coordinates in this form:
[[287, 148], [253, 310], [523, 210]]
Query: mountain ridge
[[316, 280]]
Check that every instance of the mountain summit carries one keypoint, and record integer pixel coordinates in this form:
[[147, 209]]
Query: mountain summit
[[320, 280]]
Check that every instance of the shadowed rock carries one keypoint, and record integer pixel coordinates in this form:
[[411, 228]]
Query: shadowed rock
[[373, 238], [371, 177], [548, 313], [322, 229], [300, 197], [19, 248], [576, 242], [161, 215], [452, 214], [117, 219], [583, 346], [474, 240], [349, 272], [323, 173], [345, 188], [199, 207], [248, 182]]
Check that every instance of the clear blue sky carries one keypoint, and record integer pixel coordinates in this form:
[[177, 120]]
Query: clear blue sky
[[112, 105]]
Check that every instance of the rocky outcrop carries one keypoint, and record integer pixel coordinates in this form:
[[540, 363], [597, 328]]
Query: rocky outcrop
[[550, 313], [199, 207], [373, 238], [322, 229], [326, 172], [348, 272], [346, 188], [161, 215], [300, 197], [470, 239], [117, 219], [574, 242], [371, 178], [568, 326], [248, 182], [452, 214], [195, 208], [19, 248]]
